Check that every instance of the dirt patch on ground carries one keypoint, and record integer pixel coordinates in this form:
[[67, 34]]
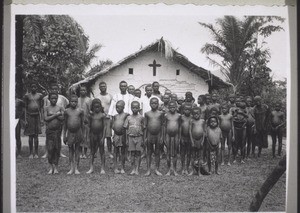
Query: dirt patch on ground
[[233, 190]]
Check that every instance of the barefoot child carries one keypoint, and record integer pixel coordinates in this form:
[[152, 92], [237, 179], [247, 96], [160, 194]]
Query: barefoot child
[[134, 125], [214, 138], [84, 103], [197, 135], [33, 123], [97, 130], [277, 122], [226, 126], [172, 135], [53, 116], [153, 134], [185, 142], [73, 125], [119, 138], [250, 125]]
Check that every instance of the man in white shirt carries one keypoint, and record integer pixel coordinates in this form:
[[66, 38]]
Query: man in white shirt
[[145, 100]]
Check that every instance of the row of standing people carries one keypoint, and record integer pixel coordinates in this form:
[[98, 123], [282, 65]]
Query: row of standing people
[[239, 119]]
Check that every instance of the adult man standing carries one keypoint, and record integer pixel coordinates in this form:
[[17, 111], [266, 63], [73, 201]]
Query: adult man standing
[[261, 113], [106, 100], [124, 96]]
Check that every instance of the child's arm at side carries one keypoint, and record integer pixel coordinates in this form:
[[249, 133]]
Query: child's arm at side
[[190, 133], [65, 128], [145, 129]]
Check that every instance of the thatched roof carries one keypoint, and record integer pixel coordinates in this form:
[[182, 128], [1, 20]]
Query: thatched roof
[[164, 47]]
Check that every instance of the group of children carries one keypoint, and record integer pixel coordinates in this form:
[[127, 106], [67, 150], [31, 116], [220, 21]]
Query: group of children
[[193, 130]]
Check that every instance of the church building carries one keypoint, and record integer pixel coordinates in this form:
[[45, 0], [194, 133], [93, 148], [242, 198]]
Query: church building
[[155, 62]]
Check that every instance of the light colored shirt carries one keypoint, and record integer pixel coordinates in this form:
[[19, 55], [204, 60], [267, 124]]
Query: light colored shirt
[[62, 101], [127, 98], [105, 101]]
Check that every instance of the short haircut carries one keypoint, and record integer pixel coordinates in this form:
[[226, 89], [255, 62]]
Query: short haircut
[[185, 104], [121, 102], [52, 93], [155, 82], [154, 98], [122, 82], [173, 102], [137, 90], [102, 82], [211, 117], [135, 102], [189, 94], [73, 96], [33, 83], [53, 84], [95, 101], [83, 86], [148, 86], [197, 109], [256, 98]]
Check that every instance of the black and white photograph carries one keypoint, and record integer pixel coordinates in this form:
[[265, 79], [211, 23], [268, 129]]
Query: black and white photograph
[[150, 108]]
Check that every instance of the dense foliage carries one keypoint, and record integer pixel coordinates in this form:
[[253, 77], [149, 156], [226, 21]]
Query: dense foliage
[[55, 48]]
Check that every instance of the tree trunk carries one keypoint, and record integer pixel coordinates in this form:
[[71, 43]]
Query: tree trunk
[[268, 185], [19, 56]]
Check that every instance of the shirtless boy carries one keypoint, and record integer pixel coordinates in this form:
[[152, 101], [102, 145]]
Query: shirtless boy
[[106, 99], [165, 106], [137, 93], [97, 129], [153, 135], [73, 125], [172, 135], [214, 138], [134, 125], [226, 126], [197, 135], [250, 125], [185, 142], [119, 138], [277, 122], [33, 116], [53, 116]]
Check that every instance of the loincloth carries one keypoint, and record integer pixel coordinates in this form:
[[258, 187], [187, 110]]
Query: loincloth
[[95, 138], [33, 124], [153, 139], [53, 139], [119, 140], [74, 137], [185, 140], [198, 143]]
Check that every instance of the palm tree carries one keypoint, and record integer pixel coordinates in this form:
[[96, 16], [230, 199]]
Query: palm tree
[[235, 40]]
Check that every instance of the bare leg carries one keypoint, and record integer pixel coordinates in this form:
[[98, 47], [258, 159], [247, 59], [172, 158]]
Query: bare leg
[[157, 158], [149, 157], [93, 151], [55, 169], [71, 159], [117, 156], [279, 133], [183, 154], [36, 146], [109, 147], [123, 159], [77, 158], [138, 156], [51, 170], [193, 155], [133, 163], [18, 139], [30, 141], [102, 156]]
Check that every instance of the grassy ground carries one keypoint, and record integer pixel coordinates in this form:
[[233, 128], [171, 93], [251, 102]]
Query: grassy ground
[[231, 191]]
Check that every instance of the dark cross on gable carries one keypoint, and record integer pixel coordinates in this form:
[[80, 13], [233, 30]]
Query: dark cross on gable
[[154, 65]]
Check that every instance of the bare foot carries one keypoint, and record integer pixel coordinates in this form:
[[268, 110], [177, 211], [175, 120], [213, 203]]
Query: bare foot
[[242, 161], [204, 163], [84, 157], [157, 173], [137, 172], [90, 171], [148, 173], [222, 164], [175, 173], [132, 172], [191, 173], [122, 171], [81, 156], [234, 161], [70, 172], [45, 155], [110, 156], [76, 172], [143, 156], [228, 164], [30, 156], [35, 156], [117, 171], [102, 172], [55, 171], [218, 173], [169, 173], [50, 171]]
